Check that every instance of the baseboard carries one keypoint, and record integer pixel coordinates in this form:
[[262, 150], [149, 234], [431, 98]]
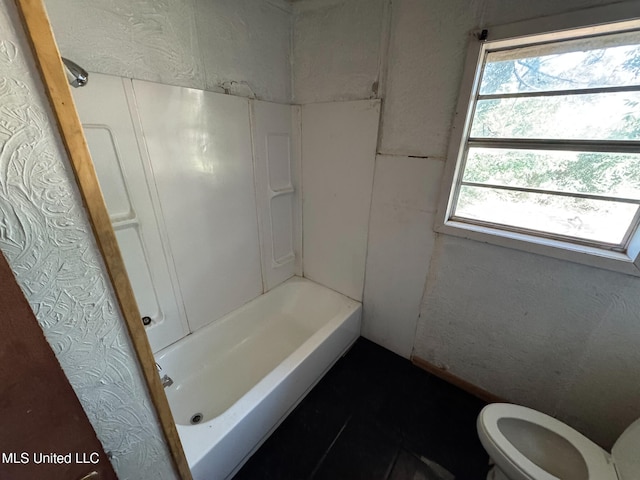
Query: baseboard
[[449, 377]]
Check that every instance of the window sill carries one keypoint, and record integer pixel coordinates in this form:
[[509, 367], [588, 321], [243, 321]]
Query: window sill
[[594, 257]]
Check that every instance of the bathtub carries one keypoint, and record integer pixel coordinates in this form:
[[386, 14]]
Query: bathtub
[[240, 376]]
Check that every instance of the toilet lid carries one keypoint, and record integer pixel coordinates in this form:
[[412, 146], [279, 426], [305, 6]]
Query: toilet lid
[[625, 453]]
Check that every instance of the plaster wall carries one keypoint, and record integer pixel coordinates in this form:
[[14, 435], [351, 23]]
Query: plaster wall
[[568, 333], [427, 50], [337, 49], [49, 245], [236, 46], [557, 336]]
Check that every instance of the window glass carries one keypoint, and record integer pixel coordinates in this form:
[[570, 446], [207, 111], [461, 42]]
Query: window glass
[[602, 61], [603, 116], [595, 220], [610, 174], [553, 146]]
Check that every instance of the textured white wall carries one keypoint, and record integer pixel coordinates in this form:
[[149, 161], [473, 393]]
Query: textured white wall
[[336, 49], [427, 46], [241, 46], [246, 41], [556, 336], [48, 242], [547, 333]]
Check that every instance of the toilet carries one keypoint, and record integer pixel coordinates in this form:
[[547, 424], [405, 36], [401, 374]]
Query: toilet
[[525, 444]]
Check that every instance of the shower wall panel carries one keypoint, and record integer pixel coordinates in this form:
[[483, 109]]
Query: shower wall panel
[[275, 130], [132, 204], [338, 158], [199, 147], [204, 223]]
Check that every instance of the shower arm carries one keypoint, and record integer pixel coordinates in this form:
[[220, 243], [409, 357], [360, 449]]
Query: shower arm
[[77, 76]]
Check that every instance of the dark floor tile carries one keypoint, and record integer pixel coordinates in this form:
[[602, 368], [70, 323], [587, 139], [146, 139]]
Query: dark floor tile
[[435, 420], [410, 467], [361, 452], [294, 450], [392, 406], [367, 378]]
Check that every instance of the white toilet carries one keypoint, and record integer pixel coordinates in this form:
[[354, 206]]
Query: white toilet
[[526, 444]]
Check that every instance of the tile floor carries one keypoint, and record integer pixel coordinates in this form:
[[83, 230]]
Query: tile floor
[[375, 416]]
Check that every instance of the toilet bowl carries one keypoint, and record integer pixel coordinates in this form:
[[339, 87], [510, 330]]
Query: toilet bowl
[[526, 444]]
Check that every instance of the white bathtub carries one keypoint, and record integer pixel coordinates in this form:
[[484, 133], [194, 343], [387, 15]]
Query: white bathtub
[[245, 372]]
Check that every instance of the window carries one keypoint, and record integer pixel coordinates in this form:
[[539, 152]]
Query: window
[[546, 151]]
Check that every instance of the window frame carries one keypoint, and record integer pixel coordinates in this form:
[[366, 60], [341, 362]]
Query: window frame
[[588, 22]]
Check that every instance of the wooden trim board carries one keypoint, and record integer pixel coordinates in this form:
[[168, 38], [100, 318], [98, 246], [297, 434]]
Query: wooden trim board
[[449, 377], [49, 63]]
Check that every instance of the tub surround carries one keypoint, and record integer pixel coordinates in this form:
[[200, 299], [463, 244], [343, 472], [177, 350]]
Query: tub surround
[[203, 192], [199, 149], [276, 136], [338, 158], [105, 109]]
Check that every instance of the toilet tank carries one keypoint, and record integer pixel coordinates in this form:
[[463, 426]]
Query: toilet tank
[[625, 453]]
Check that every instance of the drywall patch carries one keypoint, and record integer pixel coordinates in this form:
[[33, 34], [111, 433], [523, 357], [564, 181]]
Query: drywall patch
[[47, 240]]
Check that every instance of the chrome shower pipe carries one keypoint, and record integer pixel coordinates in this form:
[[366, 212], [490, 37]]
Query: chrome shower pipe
[[77, 76]]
